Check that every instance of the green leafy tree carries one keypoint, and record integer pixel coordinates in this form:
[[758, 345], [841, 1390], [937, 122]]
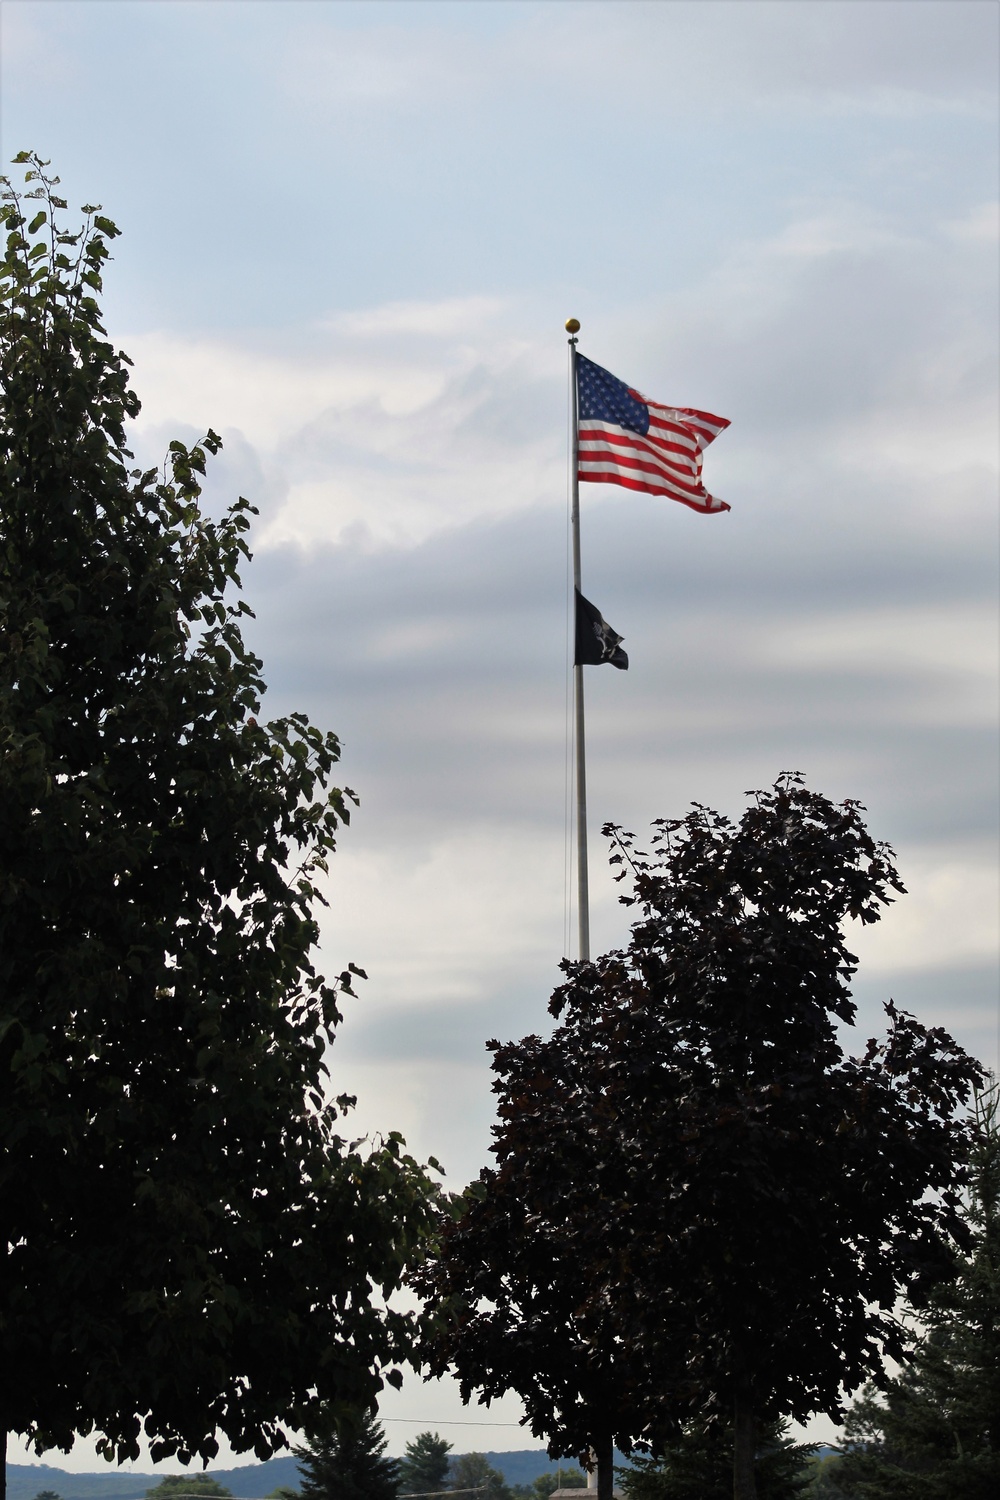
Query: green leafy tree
[[559, 1479], [935, 1433], [191, 1247], [47, 1495], [425, 1464], [701, 1210], [472, 1471], [172, 1485], [346, 1461], [698, 1465]]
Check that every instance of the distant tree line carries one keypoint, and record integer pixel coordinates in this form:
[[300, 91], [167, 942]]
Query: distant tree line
[[347, 1461]]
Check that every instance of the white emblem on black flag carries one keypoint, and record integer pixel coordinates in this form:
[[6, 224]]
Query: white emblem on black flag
[[596, 642]]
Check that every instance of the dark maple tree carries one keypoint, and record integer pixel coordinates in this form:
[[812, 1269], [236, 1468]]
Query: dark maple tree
[[189, 1245], [701, 1210]]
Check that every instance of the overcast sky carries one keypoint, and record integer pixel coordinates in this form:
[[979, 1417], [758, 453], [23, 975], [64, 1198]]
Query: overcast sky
[[352, 234]]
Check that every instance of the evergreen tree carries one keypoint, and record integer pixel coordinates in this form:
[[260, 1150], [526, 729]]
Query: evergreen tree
[[347, 1462], [424, 1465], [698, 1465], [935, 1435], [190, 1245]]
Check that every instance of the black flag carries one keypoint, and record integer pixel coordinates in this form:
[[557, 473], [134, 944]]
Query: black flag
[[596, 642]]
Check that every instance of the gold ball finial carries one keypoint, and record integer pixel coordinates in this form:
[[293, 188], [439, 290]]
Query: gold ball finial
[[572, 325]]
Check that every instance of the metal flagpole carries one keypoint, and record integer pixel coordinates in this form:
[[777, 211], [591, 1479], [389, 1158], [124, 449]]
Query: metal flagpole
[[582, 883]]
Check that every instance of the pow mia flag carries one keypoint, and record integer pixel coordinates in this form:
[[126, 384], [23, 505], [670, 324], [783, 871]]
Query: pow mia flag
[[596, 642]]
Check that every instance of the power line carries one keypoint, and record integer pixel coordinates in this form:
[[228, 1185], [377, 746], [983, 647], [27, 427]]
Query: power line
[[446, 1422], [433, 1494]]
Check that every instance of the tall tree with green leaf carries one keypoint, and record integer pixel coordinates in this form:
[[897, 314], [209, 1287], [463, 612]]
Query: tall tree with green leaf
[[190, 1246], [701, 1210], [934, 1434]]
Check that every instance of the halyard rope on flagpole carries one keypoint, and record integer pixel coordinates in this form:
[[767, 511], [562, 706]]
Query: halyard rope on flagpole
[[580, 759], [568, 840]]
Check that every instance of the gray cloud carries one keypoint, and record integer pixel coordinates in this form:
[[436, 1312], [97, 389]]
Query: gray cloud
[[838, 621]]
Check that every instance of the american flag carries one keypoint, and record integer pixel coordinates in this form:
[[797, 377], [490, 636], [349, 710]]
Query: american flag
[[627, 439]]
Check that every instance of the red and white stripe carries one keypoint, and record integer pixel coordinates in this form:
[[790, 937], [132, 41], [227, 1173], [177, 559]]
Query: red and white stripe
[[666, 461]]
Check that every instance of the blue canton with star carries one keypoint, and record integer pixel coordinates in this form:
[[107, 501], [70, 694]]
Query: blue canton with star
[[603, 398]]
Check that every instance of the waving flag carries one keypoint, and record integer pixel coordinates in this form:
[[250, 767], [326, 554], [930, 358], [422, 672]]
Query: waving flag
[[627, 439], [596, 641]]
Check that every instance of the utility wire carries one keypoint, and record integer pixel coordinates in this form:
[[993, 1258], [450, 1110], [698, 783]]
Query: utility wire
[[448, 1422]]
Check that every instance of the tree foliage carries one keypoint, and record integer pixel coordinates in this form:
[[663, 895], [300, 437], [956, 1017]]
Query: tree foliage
[[190, 1244], [700, 1208], [935, 1432], [822, 1470], [555, 1479], [473, 1471], [189, 1484], [425, 1464], [698, 1465], [346, 1461]]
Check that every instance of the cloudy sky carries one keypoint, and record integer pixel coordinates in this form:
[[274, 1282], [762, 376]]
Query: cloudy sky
[[352, 234]]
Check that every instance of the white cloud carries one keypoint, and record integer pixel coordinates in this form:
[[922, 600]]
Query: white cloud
[[371, 439], [895, 59], [332, 68], [848, 227], [950, 915], [889, 58], [447, 920], [823, 341], [981, 223], [271, 394], [454, 318], [422, 454]]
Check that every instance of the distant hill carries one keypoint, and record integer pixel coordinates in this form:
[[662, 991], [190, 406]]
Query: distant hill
[[25, 1480], [249, 1482], [522, 1465]]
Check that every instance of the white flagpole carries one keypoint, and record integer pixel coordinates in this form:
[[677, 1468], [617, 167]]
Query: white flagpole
[[582, 882]]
